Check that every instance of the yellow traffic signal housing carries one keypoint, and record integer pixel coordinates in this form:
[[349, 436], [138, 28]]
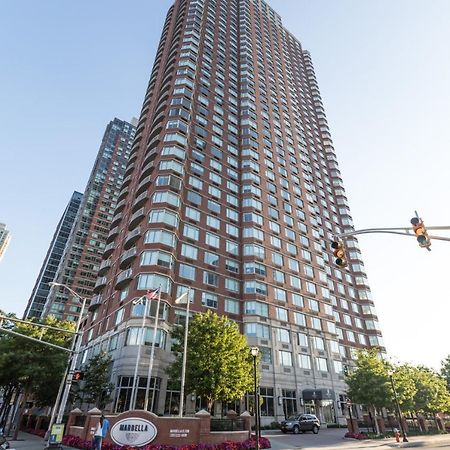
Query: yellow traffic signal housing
[[421, 232], [339, 253]]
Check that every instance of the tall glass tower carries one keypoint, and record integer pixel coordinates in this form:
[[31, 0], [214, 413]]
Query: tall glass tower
[[233, 189], [51, 262], [82, 257]]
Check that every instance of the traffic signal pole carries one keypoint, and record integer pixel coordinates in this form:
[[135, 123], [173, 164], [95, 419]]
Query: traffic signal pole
[[401, 231]]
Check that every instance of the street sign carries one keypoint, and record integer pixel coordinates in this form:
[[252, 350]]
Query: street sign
[[57, 433]]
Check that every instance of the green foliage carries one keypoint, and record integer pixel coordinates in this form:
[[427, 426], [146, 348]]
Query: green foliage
[[34, 367], [432, 394], [219, 365], [97, 388], [445, 370], [368, 384]]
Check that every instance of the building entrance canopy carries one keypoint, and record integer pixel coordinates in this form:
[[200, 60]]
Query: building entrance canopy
[[318, 394]]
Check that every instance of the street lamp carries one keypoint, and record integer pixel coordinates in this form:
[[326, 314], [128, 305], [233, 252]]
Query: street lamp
[[254, 351], [399, 413], [66, 382]]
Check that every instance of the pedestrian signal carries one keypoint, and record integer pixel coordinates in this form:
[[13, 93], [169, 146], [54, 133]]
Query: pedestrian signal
[[78, 376]]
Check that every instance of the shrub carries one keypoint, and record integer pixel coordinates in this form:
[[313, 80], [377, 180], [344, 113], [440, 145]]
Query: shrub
[[249, 444], [358, 436]]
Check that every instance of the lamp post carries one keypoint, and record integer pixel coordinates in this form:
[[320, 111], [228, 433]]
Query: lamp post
[[66, 382], [399, 413], [254, 351]]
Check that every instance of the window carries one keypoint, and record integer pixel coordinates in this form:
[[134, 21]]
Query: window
[[191, 232], [212, 239], [160, 236], [256, 308], [304, 362], [281, 314], [186, 271], [300, 319], [316, 323], [148, 281], [209, 300], [302, 339], [231, 306], [283, 335], [156, 258], [285, 358], [231, 284], [257, 330], [279, 294], [119, 316], [163, 216], [321, 364], [210, 278], [189, 251]]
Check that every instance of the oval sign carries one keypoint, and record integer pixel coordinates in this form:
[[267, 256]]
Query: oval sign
[[133, 431]]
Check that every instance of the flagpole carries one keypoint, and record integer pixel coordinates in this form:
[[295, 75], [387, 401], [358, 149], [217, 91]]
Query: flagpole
[[183, 367], [152, 354], [141, 338]]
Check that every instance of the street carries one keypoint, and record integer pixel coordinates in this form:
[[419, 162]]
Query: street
[[332, 439]]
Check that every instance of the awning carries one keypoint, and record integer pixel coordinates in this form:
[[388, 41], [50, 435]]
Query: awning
[[318, 394]]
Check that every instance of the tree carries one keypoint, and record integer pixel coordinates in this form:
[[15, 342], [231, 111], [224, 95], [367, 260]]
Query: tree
[[368, 384], [445, 370], [432, 395], [97, 388], [219, 365], [31, 367]]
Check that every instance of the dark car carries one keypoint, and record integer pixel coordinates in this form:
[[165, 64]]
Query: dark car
[[301, 423]]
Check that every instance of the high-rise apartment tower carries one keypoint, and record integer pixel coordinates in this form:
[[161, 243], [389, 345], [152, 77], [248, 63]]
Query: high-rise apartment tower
[[233, 189], [51, 262], [82, 257], [5, 237]]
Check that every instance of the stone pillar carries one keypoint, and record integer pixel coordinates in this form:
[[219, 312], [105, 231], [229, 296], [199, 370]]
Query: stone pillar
[[205, 423], [72, 419], [352, 425], [247, 422], [91, 423]]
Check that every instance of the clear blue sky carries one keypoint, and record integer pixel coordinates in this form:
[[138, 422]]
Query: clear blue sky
[[383, 69]]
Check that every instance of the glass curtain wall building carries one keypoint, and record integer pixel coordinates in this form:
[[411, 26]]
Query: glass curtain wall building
[[51, 262], [233, 189]]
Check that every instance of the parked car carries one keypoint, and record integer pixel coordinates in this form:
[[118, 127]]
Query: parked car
[[301, 423]]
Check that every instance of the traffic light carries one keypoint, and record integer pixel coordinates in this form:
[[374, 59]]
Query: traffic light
[[339, 253], [421, 232], [78, 376]]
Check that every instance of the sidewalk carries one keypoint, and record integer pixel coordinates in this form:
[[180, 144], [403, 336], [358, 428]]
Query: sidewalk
[[28, 441]]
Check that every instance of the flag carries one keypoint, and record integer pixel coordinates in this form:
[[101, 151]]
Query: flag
[[139, 301], [182, 299], [150, 295]]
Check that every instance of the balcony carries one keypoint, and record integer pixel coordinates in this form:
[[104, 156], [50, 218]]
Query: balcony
[[123, 278], [148, 168], [127, 257], [136, 218], [120, 206], [140, 201], [108, 250], [129, 170], [143, 185], [112, 234], [116, 219], [126, 181], [132, 237], [96, 301], [104, 266], [123, 193], [100, 284]]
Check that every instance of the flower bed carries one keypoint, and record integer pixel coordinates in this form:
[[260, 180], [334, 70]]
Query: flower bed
[[249, 444], [359, 436]]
